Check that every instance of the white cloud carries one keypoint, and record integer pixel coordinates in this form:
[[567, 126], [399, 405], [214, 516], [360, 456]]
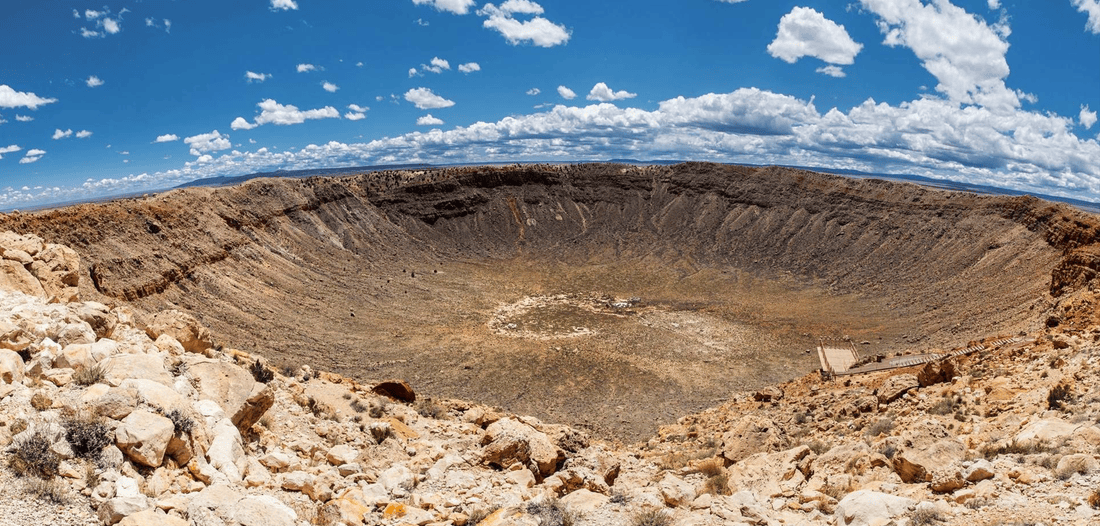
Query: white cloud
[[458, 7], [32, 156], [421, 22], [994, 4], [207, 142], [92, 15], [538, 30], [358, 64], [283, 4], [111, 26], [167, 26], [805, 32], [352, 116], [167, 138], [832, 71], [83, 134], [469, 67], [88, 33], [566, 93], [424, 99], [272, 112], [358, 108], [526, 7], [241, 124], [966, 55], [76, 14], [414, 73], [23, 118], [1092, 8], [603, 93], [256, 77], [329, 87], [9, 149], [732, 1], [93, 82], [535, 91], [302, 68], [428, 120], [1086, 118], [9, 98], [59, 134]]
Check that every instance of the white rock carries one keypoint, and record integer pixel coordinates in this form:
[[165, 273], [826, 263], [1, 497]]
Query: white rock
[[11, 367], [584, 501], [675, 491], [144, 437], [342, 454], [395, 477], [870, 508], [263, 510], [226, 453], [116, 509]]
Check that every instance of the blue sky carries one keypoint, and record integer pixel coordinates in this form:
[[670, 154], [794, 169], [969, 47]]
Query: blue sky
[[108, 97]]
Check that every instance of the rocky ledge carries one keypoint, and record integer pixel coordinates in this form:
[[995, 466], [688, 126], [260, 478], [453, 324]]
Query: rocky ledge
[[110, 416]]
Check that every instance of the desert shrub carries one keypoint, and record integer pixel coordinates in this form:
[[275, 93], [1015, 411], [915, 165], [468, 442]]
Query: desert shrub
[[651, 518], [1059, 396], [818, 446], [717, 485], [889, 450], [551, 513], [710, 468], [946, 405], [182, 423], [925, 516], [32, 456], [617, 497], [320, 409], [287, 371], [260, 372], [882, 427], [95, 374], [427, 407], [51, 491], [1015, 447], [479, 514], [87, 435], [358, 407], [1094, 499]]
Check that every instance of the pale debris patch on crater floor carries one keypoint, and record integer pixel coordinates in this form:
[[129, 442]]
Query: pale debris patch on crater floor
[[559, 316]]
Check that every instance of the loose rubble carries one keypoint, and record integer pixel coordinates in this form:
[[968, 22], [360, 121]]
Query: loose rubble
[[109, 416]]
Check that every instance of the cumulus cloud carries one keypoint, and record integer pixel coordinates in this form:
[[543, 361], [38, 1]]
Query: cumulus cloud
[[31, 156], [283, 5], [256, 77], [804, 32], [207, 142], [272, 112], [111, 26], [83, 134], [538, 30], [356, 112], [603, 93], [93, 81], [302, 68], [428, 120], [469, 67], [1086, 118], [1092, 8], [732, 1], [963, 52], [832, 71], [23, 118], [535, 91], [566, 93], [424, 99], [458, 7], [59, 134], [994, 4], [170, 137], [329, 87], [9, 98], [9, 149]]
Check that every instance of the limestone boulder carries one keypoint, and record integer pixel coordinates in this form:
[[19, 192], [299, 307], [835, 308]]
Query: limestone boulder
[[15, 277], [870, 508], [226, 452], [57, 267], [262, 510], [152, 517], [137, 366], [342, 454], [183, 327], [979, 471], [583, 501], [916, 464], [344, 509], [226, 384], [896, 387], [1048, 430], [751, 435], [508, 441], [399, 390], [114, 510], [936, 373], [1076, 463], [676, 491], [98, 316], [259, 400], [29, 243], [144, 436], [12, 368], [770, 474]]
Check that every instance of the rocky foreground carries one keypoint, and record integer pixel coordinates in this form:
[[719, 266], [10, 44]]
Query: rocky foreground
[[109, 416]]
